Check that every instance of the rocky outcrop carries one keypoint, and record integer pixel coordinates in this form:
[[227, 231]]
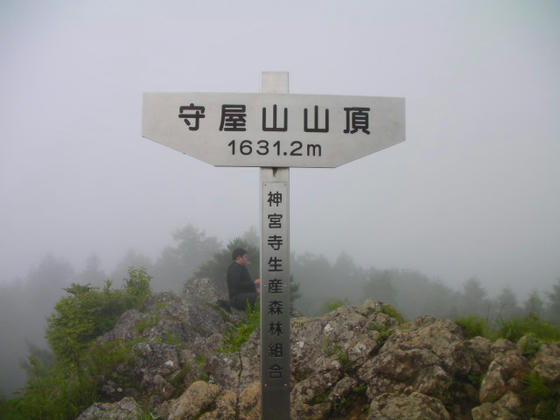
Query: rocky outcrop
[[508, 407], [125, 409], [357, 362], [505, 373], [415, 406], [547, 363]]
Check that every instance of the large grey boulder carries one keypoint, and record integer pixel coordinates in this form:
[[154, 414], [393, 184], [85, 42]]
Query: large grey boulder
[[125, 409], [171, 338], [197, 399], [508, 407], [547, 363], [415, 406], [424, 358], [505, 373]]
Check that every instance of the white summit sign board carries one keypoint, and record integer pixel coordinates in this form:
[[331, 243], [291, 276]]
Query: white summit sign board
[[273, 130]]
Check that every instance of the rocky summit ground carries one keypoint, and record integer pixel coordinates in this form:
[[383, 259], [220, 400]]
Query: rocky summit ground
[[357, 362]]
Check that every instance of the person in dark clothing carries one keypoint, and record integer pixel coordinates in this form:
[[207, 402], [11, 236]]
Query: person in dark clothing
[[240, 286]]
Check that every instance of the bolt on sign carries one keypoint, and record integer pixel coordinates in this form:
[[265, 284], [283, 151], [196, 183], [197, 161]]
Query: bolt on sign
[[274, 130]]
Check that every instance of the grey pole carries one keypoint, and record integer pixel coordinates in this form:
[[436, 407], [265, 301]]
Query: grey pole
[[275, 278]]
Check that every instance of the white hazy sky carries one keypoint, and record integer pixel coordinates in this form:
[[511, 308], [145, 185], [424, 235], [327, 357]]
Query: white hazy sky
[[473, 191]]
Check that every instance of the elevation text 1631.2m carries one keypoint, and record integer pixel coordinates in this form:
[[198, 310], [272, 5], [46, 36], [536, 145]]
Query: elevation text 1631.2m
[[264, 148]]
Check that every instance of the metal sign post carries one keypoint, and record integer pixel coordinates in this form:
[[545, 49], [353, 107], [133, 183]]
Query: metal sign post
[[275, 279], [275, 131]]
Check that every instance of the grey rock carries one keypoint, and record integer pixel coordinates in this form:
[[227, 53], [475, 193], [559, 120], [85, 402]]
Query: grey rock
[[415, 406], [505, 373], [502, 345], [124, 329], [508, 407], [482, 348], [424, 358], [125, 409], [547, 363], [199, 397]]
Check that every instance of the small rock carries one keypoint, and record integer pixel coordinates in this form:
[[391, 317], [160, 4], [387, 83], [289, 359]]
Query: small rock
[[125, 409], [198, 397], [415, 406]]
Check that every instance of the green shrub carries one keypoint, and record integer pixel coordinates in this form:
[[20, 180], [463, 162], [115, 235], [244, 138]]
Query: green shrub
[[343, 359], [541, 398], [474, 326], [63, 388], [515, 328], [173, 339], [531, 345], [393, 313], [333, 306], [146, 323], [137, 285], [384, 334], [60, 394], [536, 388], [87, 313], [238, 334], [361, 388], [103, 358], [318, 399], [476, 380], [63, 391], [178, 381]]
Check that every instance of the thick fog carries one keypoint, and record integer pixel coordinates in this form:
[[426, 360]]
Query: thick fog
[[473, 192]]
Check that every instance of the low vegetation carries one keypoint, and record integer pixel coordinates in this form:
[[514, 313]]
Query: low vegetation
[[62, 387], [475, 326], [238, 334], [515, 328], [393, 313], [541, 398], [531, 326], [333, 306]]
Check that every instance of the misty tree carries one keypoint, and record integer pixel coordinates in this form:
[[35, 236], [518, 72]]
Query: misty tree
[[43, 287], [132, 258], [410, 290], [506, 304], [13, 325], [534, 305], [251, 237], [215, 269], [295, 293], [473, 299], [92, 273], [347, 278], [380, 287], [315, 279], [553, 313], [178, 263], [438, 300], [43, 357], [24, 306]]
